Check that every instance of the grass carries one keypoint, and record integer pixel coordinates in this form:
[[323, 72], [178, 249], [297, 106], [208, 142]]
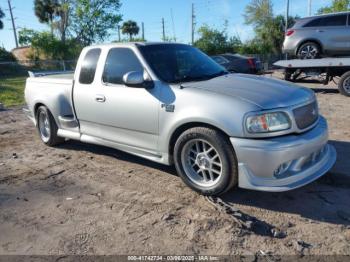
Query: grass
[[12, 91]]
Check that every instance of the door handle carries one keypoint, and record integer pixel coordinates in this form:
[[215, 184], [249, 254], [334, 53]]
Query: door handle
[[100, 98], [320, 31]]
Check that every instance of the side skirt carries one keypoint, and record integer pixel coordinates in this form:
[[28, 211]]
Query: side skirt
[[147, 154]]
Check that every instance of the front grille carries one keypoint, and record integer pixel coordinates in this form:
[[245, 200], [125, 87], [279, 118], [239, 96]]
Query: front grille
[[306, 116]]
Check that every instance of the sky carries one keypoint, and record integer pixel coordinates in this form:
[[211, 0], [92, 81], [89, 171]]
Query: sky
[[176, 13]]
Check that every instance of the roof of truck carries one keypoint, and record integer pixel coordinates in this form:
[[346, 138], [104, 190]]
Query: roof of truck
[[135, 44]]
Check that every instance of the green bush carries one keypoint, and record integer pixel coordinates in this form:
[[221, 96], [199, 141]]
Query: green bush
[[6, 56]]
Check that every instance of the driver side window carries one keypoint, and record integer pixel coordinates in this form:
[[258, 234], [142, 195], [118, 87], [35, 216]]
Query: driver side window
[[119, 62]]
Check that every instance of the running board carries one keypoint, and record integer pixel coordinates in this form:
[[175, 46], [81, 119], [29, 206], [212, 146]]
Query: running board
[[68, 134]]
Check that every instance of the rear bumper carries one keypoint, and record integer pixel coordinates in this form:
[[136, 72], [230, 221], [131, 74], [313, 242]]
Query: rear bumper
[[284, 163]]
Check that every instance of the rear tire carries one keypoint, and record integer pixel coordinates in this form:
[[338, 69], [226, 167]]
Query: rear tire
[[47, 127], [309, 50], [205, 160], [344, 84]]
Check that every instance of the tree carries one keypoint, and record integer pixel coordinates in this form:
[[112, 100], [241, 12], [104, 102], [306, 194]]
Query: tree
[[2, 15], [269, 29], [46, 10], [92, 20], [130, 28], [212, 41], [46, 46], [336, 6], [61, 22], [258, 13]]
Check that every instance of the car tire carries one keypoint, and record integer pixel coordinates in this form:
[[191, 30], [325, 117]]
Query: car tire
[[47, 127], [206, 161], [309, 50], [344, 84]]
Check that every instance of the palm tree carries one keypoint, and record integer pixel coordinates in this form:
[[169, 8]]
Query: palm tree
[[46, 10], [130, 28], [2, 15]]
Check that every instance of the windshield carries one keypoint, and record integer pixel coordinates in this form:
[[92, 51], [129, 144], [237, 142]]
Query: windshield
[[177, 63]]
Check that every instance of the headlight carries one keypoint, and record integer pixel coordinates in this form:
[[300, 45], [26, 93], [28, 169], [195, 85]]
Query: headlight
[[268, 122]]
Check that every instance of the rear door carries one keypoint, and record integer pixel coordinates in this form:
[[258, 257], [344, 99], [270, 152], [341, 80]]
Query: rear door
[[334, 33]]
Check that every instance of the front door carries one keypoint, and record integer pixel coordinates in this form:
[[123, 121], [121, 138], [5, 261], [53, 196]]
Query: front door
[[117, 113]]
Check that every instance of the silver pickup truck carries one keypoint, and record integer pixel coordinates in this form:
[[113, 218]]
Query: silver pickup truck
[[172, 104]]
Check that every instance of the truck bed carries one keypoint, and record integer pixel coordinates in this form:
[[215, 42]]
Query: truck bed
[[53, 77]]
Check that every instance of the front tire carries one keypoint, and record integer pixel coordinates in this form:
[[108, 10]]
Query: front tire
[[309, 50], [47, 127], [344, 84], [205, 160]]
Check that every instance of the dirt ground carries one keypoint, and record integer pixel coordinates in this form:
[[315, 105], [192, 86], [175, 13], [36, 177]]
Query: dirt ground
[[85, 199]]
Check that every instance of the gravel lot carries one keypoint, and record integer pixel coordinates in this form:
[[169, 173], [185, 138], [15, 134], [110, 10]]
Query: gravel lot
[[85, 199]]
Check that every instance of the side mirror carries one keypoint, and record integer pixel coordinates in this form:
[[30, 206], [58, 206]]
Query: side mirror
[[138, 79]]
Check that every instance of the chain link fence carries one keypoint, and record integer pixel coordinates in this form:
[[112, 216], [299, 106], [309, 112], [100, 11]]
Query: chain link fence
[[21, 68]]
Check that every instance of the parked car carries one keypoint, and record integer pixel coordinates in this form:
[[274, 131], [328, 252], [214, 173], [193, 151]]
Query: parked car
[[323, 35], [171, 103], [238, 64]]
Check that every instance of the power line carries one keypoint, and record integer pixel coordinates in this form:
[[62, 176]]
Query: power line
[[13, 22]]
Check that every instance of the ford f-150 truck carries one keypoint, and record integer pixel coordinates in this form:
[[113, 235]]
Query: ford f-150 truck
[[172, 104]]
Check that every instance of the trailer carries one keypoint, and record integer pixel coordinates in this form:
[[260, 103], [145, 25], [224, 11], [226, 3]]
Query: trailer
[[325, 68]]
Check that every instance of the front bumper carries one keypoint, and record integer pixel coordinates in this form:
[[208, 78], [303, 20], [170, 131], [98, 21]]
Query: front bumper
[[284, 163]]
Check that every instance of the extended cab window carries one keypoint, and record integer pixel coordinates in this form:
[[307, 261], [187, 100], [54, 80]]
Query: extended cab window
[[336, 20], [88, 68], [119, 62]]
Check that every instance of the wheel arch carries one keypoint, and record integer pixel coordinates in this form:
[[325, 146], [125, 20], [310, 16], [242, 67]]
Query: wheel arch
[[35, 110], [313, 40], [182, 128]]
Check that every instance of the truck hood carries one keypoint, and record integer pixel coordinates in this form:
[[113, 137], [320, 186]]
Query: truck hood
[[267, 93]]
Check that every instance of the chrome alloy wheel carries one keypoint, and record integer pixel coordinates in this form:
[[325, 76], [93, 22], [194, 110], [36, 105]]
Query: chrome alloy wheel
[[309, 52], [346, 85], [201, 162], [44, 126]]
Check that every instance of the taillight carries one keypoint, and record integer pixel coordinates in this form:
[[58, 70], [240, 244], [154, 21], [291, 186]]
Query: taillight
[[290, 32], [251, 63]]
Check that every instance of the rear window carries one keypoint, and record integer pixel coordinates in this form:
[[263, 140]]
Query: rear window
[[220, 59], [89, 65], [336, 20]]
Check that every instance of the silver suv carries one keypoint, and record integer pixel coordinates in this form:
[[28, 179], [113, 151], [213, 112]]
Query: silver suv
[[316, 36]]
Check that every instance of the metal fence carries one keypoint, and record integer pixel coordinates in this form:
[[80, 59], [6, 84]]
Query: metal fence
[[21, 68]]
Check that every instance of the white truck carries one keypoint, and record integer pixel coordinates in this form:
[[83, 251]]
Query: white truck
[[172, 104]]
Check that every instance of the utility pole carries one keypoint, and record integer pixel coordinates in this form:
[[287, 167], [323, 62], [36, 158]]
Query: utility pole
[[193, 24], [143, 31], [172, 20], [163, 26], [119, 39], [310, 7], [13, 23], [287, 16]]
